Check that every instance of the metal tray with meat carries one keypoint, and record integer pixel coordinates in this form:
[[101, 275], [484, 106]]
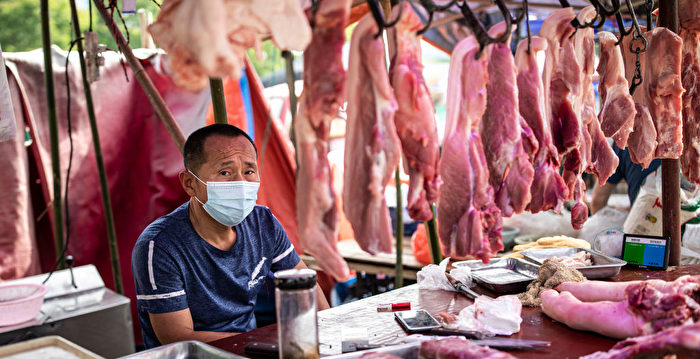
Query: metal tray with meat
[[502, 275], [592, 264]]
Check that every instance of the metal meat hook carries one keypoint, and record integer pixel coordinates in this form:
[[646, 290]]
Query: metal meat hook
[[634, 28], [477, 28], [378, 15], [431, 8]]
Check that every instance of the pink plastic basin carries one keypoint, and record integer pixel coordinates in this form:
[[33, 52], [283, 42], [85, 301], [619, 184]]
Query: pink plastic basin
[[20, 302]]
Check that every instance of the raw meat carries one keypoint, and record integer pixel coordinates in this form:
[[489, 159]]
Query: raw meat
[[663, 90], [548, 190], [579, 259], [415, 119], [458, 348], [689, 14], [690, 159], [374, 355], [209, 38], [562, 80], [647, 306], [617, 114], [372, 147], [324, 93], [470, 222], [681, 340], [510, 171], [591, 154], [642, 141], [595, 290]]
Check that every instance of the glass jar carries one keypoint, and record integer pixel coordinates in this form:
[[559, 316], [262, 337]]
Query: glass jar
[[297, 329]]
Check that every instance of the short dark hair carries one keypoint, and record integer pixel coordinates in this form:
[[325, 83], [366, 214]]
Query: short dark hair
[[194, 146]]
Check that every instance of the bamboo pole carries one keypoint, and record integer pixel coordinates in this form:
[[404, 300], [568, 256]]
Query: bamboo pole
[[53, 129], [104, 187], [671, 168], [398, 280], [151, 92], [433, 239], [218, 100]]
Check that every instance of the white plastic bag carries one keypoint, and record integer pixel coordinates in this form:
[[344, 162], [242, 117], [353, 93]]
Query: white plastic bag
[[500, 316], [543, 224], [690, 251], [606, 218], [433, 276]]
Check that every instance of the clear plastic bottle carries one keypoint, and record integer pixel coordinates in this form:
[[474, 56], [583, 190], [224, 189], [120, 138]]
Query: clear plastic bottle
[[297, 329]]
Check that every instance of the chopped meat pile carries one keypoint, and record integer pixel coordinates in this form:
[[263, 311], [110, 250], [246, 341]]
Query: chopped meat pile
[[625, 309], [457, 348], [552, 273], [578, 259], [680, 340], [209, 38]]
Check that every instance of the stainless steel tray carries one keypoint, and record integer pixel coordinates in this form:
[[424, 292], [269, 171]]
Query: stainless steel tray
[[502, 275], [603, 266], [190, 349], [404, 351]]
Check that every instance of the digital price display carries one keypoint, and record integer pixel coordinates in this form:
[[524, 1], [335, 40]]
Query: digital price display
[[646, 251]]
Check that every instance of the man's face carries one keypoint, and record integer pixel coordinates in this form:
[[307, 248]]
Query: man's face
[[226, 159]]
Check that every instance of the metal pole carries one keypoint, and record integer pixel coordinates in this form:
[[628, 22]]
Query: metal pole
[[104, 187], [218, 100], [671, 168], [398, 282], [151, 92], [53, 129]]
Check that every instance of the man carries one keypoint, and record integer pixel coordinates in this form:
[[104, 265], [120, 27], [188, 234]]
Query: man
[[198, 269], [631, 172]]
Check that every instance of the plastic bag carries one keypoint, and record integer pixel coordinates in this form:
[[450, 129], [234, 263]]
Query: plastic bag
[[690, 251], [433, 276], [543, 224], [500, 316], [646, 213]]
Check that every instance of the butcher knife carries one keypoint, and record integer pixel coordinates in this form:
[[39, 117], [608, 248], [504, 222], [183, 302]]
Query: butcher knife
[[478, 338], [462, 288]]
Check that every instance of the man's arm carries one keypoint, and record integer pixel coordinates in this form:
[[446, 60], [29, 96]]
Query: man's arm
[[600, 196], [321, 301], [177, 326]]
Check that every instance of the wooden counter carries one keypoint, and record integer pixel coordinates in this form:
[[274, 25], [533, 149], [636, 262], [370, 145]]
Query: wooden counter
[[382, 328]]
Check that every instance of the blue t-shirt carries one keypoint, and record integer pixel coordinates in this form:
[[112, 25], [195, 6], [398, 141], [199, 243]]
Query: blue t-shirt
[[174, 269], [631, 172]]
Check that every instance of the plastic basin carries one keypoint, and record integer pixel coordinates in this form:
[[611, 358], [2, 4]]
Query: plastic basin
[[20, 302]]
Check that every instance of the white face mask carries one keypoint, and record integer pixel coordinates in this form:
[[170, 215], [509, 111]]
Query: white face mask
[[230, 202]]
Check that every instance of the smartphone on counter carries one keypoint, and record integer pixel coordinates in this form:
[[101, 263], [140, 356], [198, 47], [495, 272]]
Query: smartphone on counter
[[416, 321]]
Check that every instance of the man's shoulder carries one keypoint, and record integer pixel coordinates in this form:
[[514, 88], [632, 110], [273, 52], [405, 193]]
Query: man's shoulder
[[163, 228]]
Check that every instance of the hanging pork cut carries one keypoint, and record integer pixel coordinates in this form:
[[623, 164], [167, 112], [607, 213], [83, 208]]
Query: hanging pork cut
[[642, 141], [548, 190], [689, 14], [663, 90], [324, 93], [562, 80], [470, 222], [415, 118], [209, 38], [372, 147], [690, 159], [600, 157], [617, 114], [510, 170]]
